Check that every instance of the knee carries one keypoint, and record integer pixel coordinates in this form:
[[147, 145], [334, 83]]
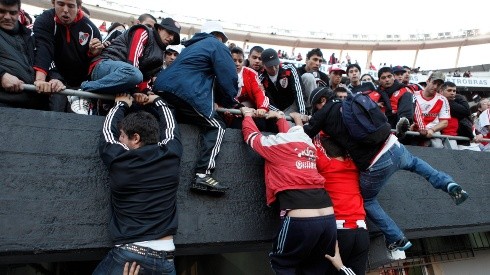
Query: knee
[[132, 74]]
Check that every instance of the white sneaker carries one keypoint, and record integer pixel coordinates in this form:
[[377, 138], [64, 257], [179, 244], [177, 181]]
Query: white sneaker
[[79, 105]]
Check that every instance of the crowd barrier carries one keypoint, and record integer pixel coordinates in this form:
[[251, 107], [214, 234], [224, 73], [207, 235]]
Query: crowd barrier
[[80, 93]]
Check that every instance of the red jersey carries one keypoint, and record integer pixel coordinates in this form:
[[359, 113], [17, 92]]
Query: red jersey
[[342, 185]]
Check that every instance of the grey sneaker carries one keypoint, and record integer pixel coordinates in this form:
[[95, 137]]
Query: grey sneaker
[[402, 245], [402, 127], [457, 193], [79, 105]]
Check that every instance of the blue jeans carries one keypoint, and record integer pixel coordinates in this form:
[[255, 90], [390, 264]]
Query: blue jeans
[[113, 77], [113, 263], [374, 178]]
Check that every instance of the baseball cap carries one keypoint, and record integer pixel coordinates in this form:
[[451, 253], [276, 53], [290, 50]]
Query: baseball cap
[[170, 25], [336, 67], [214, 26], [398, 69], [437, 75], [270, 58], [175, 48]]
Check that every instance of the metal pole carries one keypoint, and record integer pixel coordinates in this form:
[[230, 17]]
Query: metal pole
[[32, 88]]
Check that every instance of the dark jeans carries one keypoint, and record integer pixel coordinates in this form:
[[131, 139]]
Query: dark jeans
[[113, 263]]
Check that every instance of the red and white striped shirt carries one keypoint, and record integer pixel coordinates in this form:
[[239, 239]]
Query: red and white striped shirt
[[430, 111]]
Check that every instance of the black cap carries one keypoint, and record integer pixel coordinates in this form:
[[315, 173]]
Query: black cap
[[270, 58], [173, 26]]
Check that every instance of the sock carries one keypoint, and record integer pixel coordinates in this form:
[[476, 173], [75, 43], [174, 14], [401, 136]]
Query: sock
[[200, 175]]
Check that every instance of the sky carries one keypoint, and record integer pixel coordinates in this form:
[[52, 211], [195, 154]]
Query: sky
[[379, 17]]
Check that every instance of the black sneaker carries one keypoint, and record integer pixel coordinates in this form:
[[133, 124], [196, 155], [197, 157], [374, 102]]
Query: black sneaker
[[207, 184], [401, 245], [402, 127], [457, 193]]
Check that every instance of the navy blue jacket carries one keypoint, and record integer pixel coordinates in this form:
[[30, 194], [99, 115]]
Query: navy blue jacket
[[192, 74]]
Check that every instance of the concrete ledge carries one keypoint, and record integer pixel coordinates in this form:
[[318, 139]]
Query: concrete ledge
[[54, 202]]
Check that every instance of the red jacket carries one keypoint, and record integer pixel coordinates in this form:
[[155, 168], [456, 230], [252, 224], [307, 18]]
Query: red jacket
[[290, 158], [250, 90]]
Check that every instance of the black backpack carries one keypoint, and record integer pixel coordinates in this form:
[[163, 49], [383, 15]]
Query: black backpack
[[362, 116]]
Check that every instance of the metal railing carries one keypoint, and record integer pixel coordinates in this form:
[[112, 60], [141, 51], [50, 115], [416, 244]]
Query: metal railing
[[84, 94]]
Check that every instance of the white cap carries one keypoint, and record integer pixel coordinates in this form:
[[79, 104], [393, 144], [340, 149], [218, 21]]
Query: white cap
[[214, 26], [177, 48]]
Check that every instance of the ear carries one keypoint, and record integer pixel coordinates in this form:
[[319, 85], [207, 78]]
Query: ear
[[135, 141], [323, 100]]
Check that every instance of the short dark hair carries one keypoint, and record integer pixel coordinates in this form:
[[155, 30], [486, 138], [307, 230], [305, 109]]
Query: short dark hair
[[340, 89], [115, 25], [237, 50], [313, 52], [448, 84], [79, 2], [145, 16], [384, 70], [258, 49], [332, 148], [353, 65], [11, 3], [142, 123]]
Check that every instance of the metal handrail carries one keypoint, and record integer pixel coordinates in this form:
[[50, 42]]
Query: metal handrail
[[84, 94]]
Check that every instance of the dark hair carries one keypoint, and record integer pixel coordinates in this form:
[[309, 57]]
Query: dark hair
[[353, 65], [332, 148], [406, 67], [237, 50], [115, 25], [448, 84], [79, 2], [313, 52], [367, 75], [145, 16], [258, 49], [11, 3], [384, 70], [143, 123], [340, 89]]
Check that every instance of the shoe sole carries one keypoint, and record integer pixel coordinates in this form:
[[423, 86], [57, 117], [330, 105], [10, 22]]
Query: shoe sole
[[405, 247], [462, 199], [402, 248], [196, 188], [462, 193]]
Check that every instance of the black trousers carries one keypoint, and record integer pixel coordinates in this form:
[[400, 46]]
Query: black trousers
[[212, 131], [354, 248]]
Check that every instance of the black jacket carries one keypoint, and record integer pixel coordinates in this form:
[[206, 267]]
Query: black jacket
[[143, 181], [67, 46], [329, 120], [151, 60], [321, 75], [17, 58], [286, 90]]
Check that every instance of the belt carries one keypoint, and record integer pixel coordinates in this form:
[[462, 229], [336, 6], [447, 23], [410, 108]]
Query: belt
[[341, 224], [146, 251]]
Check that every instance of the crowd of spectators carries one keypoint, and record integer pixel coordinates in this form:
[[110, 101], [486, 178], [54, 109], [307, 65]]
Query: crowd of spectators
[[149, 64]]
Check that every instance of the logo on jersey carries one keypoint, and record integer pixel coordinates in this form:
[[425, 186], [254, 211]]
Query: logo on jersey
[[83, 38], [283, 82]]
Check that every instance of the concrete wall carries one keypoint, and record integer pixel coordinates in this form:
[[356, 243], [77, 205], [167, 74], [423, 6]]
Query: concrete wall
[[54, 200]]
